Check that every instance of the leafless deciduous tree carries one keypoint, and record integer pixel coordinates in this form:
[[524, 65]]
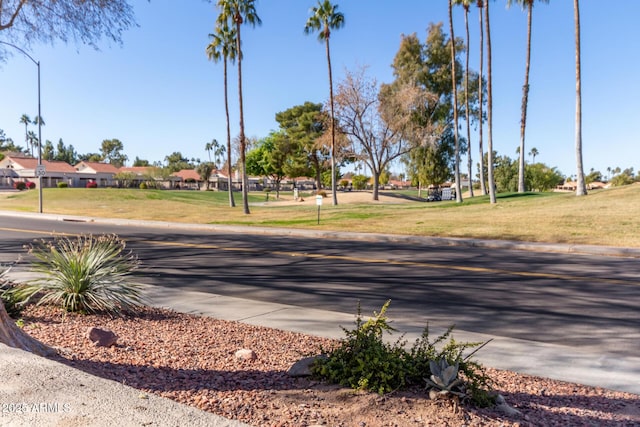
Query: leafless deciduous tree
[[359, 113]]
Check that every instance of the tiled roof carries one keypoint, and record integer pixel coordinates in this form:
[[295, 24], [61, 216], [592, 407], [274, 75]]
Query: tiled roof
[[186, 174], [32, 162], [97, 167]]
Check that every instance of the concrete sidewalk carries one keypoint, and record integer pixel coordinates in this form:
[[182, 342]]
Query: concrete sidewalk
[[38, 392]]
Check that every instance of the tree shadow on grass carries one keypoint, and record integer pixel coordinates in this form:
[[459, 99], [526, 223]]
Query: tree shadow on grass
[[403, 196], [519, 195]]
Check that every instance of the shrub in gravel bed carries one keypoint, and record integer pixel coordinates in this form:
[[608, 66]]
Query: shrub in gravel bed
[[158, 354], [83, 274], [364, 361]]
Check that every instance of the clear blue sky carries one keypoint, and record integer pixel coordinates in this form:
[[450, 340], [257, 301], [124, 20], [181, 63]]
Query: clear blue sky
[[158, 93]]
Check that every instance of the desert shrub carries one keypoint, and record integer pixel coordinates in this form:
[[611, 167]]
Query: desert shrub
[[30, 185], [364, 361], [321, 193], [92, 184], [62, 184], [83, 274], [19, 185]]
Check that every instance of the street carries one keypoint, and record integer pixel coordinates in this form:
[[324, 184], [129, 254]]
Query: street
[[585, 301]]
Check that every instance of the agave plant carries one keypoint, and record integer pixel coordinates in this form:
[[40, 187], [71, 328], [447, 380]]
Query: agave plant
[[444, 379], [83, 274]]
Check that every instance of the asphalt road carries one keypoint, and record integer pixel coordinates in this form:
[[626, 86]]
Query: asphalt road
[[585, 301]]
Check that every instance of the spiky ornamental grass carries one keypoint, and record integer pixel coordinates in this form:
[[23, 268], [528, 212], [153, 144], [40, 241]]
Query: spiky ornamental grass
[[83, 274]]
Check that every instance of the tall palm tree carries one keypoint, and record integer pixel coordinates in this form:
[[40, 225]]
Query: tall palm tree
[[223, 46], [581, 186], [525, 90], [466, 4], [483, 186], [492, 185], [454, 83], [218, 152], [533, 153], [208, 147], [323, 19], [238, 12], [26, 120], [32, 139], [38, 120]]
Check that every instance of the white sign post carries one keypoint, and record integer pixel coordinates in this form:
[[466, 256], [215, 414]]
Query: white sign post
[[319, 203]]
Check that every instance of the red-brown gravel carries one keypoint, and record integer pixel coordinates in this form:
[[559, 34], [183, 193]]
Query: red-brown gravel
[[191, 359]]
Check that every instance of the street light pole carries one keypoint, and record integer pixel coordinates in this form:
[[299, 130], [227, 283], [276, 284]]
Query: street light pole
[[39, 123]]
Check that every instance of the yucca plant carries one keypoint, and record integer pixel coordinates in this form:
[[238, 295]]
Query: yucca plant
[[83, 274]]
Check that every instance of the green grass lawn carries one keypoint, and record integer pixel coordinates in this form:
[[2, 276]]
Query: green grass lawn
[[605, 217]]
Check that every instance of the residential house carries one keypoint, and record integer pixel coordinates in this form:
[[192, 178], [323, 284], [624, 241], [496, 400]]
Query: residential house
[[101, 173], [15, 168], [190, 179]]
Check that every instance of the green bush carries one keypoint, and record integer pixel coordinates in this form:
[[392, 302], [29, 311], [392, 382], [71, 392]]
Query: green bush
[[359, 182], [62, 184], [83, 274], [19, 185], [364, 361], [143, 185]]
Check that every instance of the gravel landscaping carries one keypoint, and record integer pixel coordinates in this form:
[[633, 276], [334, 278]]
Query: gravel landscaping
[[191, 359]]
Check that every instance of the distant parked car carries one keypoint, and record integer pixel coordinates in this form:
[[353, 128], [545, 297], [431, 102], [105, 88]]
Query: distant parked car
[[434, 197]]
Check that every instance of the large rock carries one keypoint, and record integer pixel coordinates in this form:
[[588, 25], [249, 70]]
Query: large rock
[[101, 337], [302, 368]]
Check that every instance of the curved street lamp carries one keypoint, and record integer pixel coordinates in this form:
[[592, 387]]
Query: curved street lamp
[[39, 125]]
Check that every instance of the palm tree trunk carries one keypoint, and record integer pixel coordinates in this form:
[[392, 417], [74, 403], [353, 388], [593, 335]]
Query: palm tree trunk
[[466, 102], [483, 184], [455, 105], [232, 202], [492, 185], [525, 98], [13, 336], [243, 142], [581, 188], [333, 130]]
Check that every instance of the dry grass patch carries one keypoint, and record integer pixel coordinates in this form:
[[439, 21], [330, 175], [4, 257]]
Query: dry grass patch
[[604, 217]]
